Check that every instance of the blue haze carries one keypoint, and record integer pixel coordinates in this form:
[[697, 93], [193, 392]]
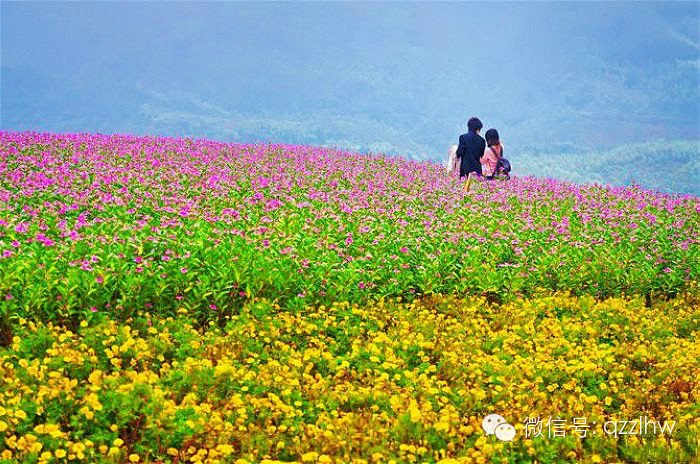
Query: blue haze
[[400, 78]]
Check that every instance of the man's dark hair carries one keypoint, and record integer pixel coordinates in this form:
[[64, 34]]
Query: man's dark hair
[[474, 124]]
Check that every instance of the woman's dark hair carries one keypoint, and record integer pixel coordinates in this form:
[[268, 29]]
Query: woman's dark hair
[[491, 137], [474, 124]]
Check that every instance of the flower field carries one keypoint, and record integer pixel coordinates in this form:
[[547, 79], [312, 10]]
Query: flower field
[[176, 300]]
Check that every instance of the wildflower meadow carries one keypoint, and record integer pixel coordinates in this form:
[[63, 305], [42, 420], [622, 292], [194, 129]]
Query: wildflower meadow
[[178, 300]]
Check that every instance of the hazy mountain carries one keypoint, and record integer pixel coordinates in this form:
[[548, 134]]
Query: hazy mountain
[[391, 77], [663, 165]]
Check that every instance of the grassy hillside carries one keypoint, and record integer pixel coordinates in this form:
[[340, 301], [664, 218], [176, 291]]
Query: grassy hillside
[[170, 300]]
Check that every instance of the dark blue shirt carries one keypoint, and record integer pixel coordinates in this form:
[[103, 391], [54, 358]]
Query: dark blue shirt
[[470, 150]]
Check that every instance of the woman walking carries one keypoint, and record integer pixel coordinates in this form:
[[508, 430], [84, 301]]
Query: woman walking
[[492, 154]]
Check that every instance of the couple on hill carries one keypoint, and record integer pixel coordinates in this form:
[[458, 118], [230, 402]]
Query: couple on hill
[[476, 155]]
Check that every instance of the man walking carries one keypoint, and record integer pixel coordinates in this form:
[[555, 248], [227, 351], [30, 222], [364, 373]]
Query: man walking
[[471, 148]]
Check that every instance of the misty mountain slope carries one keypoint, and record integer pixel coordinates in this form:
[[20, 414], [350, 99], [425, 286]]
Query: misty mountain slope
[[400, 79], [670, 166]]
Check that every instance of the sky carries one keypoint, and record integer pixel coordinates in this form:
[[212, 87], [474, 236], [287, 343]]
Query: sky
[[384, 77]]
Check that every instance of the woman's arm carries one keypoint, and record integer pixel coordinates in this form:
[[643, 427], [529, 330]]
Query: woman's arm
[[489, 156]]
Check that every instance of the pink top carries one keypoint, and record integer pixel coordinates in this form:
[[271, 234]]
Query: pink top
[[489, 160]]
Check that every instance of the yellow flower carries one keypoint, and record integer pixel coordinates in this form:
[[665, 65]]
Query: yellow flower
[[134, 458], [78, 448], [225, 449], [60, 453], [414, 411], [87, 412]]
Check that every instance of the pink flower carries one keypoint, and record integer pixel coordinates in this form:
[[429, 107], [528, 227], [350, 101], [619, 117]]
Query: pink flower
[[183, 270]]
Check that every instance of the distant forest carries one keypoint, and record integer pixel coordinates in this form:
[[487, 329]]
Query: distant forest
[[668, 166]]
